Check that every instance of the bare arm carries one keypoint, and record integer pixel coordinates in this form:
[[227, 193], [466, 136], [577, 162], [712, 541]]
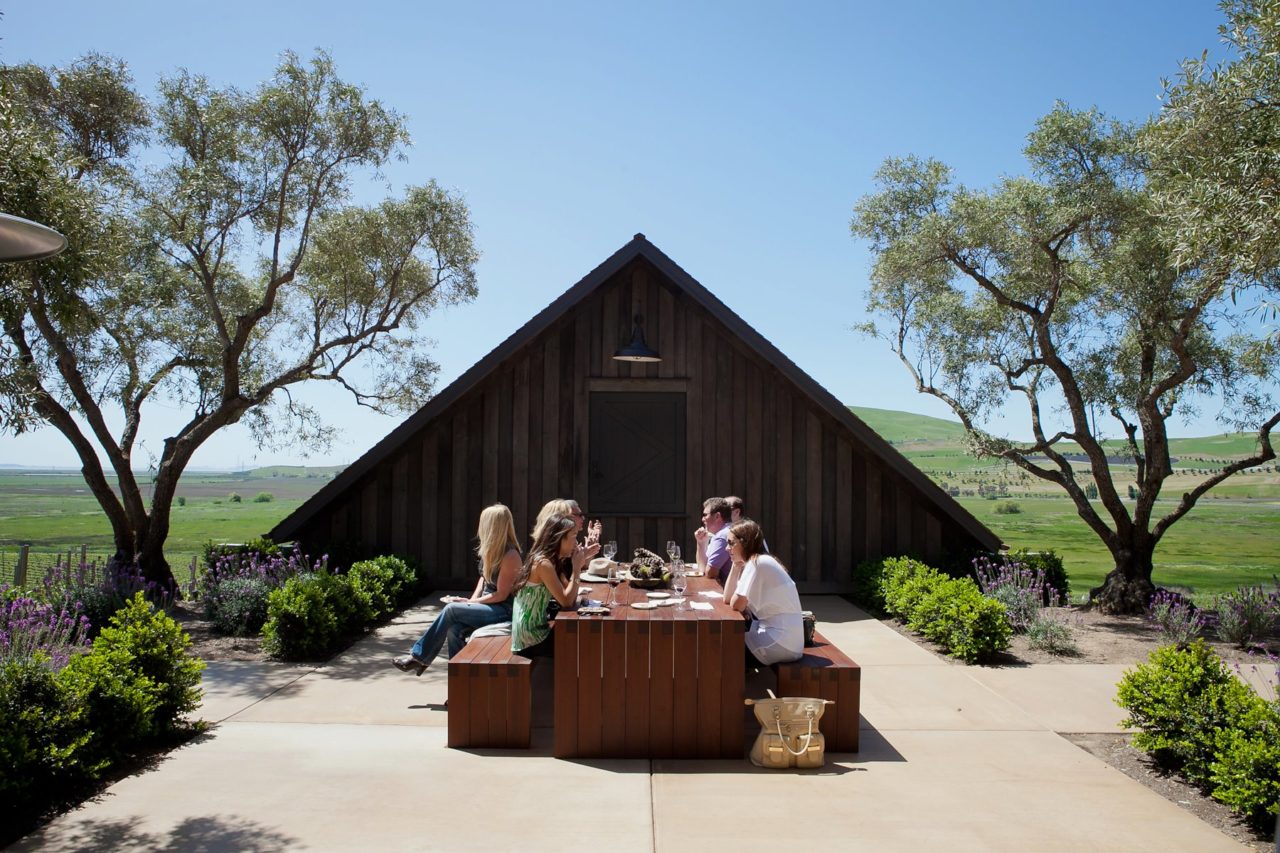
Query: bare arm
[[731, 585], [563, 592], [507, 571]]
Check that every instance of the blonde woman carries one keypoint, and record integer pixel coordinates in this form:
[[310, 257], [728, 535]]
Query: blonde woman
[[489, 604], [551, 572], [567, 508]]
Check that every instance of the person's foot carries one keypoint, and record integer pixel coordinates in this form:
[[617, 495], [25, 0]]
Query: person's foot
[[408, 663]]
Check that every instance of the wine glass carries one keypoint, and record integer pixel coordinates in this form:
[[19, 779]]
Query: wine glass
[[610, 548], [615, 578], [673, 551], [679, 583]]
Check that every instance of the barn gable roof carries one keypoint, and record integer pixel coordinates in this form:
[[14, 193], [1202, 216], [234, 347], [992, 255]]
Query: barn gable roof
[[638, 247]]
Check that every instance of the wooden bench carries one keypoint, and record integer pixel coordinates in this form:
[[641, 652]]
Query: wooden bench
[[490, 696], [825, 672]]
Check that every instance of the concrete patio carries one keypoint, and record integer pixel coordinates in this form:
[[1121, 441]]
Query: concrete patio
[[351, 756]]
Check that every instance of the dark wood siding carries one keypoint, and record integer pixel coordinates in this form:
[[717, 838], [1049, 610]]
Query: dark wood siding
[[518, 436]]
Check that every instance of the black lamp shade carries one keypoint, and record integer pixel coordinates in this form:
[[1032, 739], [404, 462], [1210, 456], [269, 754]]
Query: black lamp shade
[[637, 350]]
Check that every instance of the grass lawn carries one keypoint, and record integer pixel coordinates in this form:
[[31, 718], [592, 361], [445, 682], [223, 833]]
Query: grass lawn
[[1218, 546]]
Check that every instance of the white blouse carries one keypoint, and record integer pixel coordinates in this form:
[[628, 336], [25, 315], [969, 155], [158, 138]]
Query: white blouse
[[777, 634]]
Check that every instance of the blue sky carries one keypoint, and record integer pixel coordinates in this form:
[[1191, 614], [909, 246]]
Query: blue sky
[[735, 136]]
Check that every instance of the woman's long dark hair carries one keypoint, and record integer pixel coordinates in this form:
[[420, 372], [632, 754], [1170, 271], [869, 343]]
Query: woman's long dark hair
[[547, 547], [749, 536]]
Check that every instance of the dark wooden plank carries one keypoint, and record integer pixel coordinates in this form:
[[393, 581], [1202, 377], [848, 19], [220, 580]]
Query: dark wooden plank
[[489, 473], [520, 445], [536, 437], [369, 513], [724, 453], [845, 558], [889, 513], [551, 438], [693, 459], [499, 679], [430, 502], [666, 330], [858, 500], [905, 543], [813, 497], [610, 335], [785, 544], [753, 423], [565, 702], [933, 537], [830, 520], [579, 432], [848, 702], [475, 483], [569, 389], [399, 509], [685, 687], [504, 383], [590, 700], [457, 515], [799, 491], [736, 484], [636, 724], [872, 497], [709, 446], [614, 684], [662, 683], [710, 667]]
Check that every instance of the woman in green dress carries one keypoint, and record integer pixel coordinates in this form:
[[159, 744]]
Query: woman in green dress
[[551, 571]]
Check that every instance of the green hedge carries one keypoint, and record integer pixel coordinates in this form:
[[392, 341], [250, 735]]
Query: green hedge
[[952, 612], [312, 614], [61, 730], [1196, 717]]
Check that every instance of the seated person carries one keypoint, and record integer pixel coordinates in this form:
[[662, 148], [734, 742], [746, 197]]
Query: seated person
[[712, 538], [569, 508], [550, 572], [490, 603], [760, 586]]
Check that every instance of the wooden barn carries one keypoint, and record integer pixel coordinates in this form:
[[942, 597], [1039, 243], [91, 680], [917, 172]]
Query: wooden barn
[[552, 412]]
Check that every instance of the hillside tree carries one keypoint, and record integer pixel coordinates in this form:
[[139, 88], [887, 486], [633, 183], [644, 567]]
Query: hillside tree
[[1058, 289], [215, 263]]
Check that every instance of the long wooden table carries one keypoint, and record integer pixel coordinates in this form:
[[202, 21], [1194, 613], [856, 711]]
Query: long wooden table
[[661, 683]]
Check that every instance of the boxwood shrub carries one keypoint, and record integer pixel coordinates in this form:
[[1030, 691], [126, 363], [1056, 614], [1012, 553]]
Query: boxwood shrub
[[952, 612]]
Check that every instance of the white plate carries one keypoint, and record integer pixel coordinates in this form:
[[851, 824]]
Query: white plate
[[646, 605], [658, 594]]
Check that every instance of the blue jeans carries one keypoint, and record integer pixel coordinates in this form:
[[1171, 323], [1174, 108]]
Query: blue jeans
[[455, 624]]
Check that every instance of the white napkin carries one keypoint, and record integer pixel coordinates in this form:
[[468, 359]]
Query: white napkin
[[700, 605], [712, 593]]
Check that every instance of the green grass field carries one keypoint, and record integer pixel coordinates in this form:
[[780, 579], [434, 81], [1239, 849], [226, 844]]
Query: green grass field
[[1231, 538]]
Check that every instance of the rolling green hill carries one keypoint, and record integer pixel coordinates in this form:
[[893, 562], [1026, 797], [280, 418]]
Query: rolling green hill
[[904, 427]]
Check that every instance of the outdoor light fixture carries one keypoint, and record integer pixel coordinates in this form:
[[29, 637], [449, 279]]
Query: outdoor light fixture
[[637, 350], [24, 240]]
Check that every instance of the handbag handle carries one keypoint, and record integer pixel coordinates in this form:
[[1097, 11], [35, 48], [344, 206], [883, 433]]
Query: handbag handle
[[808, 738]]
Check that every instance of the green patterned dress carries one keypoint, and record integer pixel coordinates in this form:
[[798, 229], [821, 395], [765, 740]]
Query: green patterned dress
[[529, 616]]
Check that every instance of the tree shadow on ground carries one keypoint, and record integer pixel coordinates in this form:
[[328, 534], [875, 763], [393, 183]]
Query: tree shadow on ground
[[202, 834]]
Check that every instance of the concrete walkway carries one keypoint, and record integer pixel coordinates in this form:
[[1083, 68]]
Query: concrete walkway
[[351, 756]]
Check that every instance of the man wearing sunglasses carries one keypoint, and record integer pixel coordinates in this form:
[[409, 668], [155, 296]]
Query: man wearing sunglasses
[[712, 537]]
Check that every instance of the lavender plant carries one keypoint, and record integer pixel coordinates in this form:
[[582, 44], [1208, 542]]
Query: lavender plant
[[1244, 616], [99, 593], [37, 630], [235, 588], [1176, 617], [1021, 590]]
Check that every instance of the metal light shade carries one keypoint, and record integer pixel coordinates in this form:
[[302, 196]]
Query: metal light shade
[[637, 350], [24, 240]]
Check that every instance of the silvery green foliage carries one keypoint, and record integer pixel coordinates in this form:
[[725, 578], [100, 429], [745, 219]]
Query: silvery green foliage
[[215, 273]]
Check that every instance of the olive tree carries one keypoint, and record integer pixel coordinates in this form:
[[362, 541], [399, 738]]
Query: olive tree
[[1057, 289], [215, 262]]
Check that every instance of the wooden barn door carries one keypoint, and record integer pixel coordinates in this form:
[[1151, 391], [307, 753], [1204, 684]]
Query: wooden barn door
[[637, 453]]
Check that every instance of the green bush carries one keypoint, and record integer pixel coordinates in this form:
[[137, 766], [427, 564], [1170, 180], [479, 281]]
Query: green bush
[[119, 704], [867, 578], [1246, 770], [1050, 634], [952, 612], [41, 738], [309, 614], [1008, 508], [379, 584], [263, 498], [161, 651], [904, 582], [1182, 699], [234, 497]]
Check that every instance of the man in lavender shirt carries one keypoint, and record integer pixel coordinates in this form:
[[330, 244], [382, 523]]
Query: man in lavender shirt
[[713, 537]]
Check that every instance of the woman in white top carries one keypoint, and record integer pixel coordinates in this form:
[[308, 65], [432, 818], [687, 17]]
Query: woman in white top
[[760, 586]]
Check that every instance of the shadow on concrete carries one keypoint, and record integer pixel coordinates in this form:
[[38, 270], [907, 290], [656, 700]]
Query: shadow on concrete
[[204, 834]]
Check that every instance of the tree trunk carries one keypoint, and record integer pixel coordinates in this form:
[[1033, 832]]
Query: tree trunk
[[143, 551], [1127, 589]]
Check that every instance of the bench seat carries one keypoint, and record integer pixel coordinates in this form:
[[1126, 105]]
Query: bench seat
[[825, 672], [490, 696]]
